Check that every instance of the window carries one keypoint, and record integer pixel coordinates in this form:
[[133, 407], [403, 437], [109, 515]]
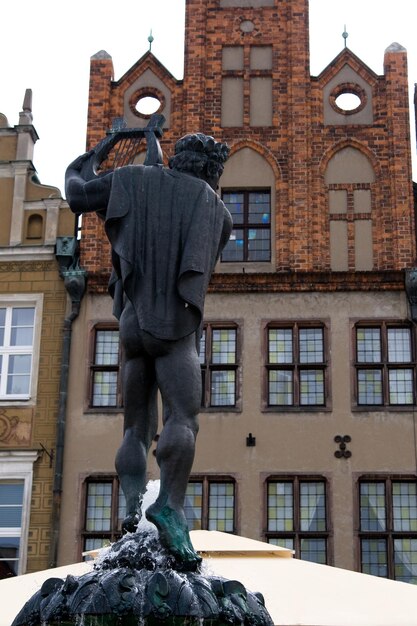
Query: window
[[219, 366], [210, 504], [251, 235], [16, 473], [297, 517], [388, 528], [105, 380], [11, 505], [385, 367], [17, 333], [296, 366], [105, 509]]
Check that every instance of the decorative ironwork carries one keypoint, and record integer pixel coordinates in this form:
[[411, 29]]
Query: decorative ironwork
[[343, 453]]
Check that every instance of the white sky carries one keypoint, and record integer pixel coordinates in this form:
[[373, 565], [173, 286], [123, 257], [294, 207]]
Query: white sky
[[46, 45]]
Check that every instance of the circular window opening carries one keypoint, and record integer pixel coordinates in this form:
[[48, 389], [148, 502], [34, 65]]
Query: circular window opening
[[148, 105], [348, 101], [247, 26]]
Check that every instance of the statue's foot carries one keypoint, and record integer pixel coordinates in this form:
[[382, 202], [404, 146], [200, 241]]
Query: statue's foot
[[130, 523], [174, 536]]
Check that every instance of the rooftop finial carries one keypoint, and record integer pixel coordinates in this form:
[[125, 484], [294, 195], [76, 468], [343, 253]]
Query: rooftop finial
[[345, 35], [150, 39], [25, 116]]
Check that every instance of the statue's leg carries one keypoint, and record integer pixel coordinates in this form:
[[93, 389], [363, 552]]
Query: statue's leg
[[179, 380], [140, 419]]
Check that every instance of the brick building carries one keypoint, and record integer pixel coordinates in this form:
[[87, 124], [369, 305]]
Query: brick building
[[33, 304], [307, 432]]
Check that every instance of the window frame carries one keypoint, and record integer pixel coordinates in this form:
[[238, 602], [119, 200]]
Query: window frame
[[246, 226], [26, 301], [384, 365], [115, 532], [296, 534], [296, 367], [208, 367], [93, 368], [206, 481], [18, 465], [389, 534]]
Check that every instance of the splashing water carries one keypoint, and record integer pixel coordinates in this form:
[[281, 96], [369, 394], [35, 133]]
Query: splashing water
[[149, 497]]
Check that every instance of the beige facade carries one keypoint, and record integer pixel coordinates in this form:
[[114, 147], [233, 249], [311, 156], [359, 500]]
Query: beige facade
[[307, 435]]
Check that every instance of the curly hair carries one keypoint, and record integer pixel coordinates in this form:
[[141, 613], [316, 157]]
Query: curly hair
[[199, 154]]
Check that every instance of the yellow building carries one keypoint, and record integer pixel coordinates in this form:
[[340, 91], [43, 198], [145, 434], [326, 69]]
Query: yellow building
[[33, 304]]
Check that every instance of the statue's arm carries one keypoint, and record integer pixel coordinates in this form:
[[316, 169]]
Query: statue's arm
[[85, 194]]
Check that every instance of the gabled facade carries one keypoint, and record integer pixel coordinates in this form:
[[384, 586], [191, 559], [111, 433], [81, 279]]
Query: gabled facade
[[33, 304], [309, 349]]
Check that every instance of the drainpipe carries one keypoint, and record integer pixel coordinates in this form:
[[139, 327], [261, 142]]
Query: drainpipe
[[75, 283]]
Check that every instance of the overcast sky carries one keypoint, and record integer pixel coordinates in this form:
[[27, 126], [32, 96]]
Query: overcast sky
[[46, 45]]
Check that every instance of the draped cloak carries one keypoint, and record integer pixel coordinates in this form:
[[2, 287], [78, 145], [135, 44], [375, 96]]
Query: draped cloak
[[167, 229]]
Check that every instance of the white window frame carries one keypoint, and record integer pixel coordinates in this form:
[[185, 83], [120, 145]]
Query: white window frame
[[26, 300], [18, 465]]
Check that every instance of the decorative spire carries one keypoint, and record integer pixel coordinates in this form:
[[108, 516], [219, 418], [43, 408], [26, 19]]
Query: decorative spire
[[25, 116], [345, 35], [150, 39]]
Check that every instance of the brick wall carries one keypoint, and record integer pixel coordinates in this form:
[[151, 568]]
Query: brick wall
[[298, 143]]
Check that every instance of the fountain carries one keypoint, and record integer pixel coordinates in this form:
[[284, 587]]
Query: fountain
[[167, 228], [135, 582]]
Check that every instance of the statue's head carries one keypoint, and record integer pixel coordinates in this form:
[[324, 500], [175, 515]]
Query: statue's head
[[200, 155]]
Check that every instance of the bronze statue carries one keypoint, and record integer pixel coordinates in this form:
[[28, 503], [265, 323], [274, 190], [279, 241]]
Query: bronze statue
[[167, 228]]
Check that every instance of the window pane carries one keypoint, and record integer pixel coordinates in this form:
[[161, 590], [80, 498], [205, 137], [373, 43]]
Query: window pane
[[313, 550], [234, 202], [281, 388], [2, 325], [11, 504], [104, 389], [259, 244], [311, 387], [107, 347], [203, 347], [193, 505], [98, 516], [368, 342], [404, 505], [18, 376], [405, 560], [235, 248], [311, 345], [223, 388], [284, 542], [22, 326], [369, 387], [280, 506], [312, 506], [9, 556], [399, 345], [221, 507], [400, 386], [259, 211], [372, 506], [280, 345], [95, 543], [224, 346], [374, 557]]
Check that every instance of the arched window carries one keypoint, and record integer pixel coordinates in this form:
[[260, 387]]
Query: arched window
[[349, 178], [248, 190]]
